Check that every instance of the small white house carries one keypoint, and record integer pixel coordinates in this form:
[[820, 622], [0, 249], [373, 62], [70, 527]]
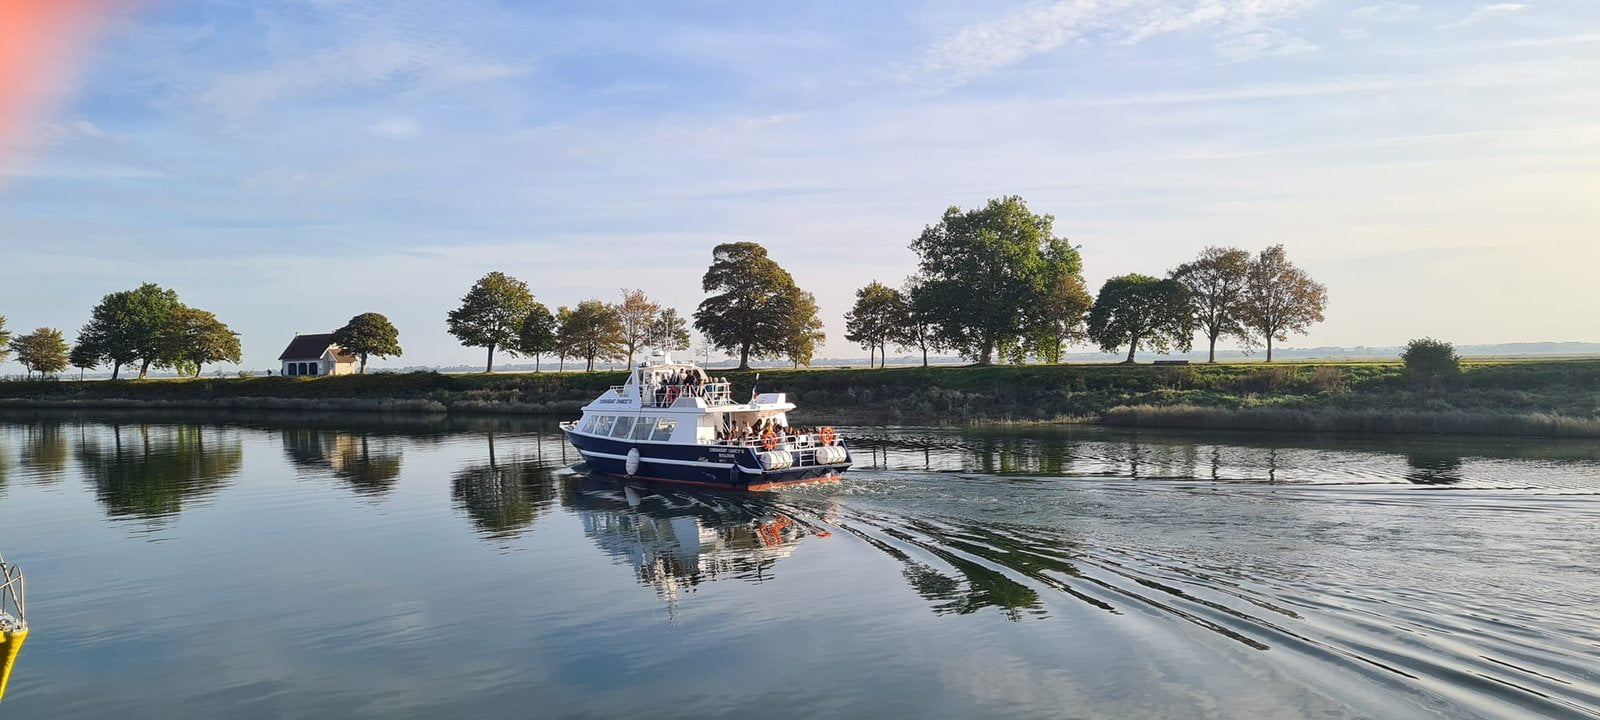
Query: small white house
[[316, 354]]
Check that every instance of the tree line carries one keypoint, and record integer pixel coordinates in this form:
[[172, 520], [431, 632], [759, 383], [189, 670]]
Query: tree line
[[996, 283], [145, 327], [755, 310]]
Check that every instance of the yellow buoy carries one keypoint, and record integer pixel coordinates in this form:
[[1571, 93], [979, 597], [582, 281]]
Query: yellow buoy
[[13, 621], [10, 645]]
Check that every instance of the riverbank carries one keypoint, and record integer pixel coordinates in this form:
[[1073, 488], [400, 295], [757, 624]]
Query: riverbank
[[1557, 398]]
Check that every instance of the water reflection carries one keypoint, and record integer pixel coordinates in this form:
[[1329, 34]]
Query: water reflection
[[677, 540], [45, 450], [503, 498], [1431, 467], [150, 471], [369, 464]]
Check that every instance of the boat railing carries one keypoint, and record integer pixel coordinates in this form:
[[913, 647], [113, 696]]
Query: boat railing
[[779, 442], [665, 395], [12, 610]]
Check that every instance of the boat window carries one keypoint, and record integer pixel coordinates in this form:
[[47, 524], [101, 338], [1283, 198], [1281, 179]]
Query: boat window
[[641, 429], [664, 428], [588, 424], [602, 425], [623, 427]]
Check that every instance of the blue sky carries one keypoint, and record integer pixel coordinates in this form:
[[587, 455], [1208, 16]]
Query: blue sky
[[291, 163]]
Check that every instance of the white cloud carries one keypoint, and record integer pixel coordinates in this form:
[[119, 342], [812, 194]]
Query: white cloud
[[1489, 11], [397, 128], [1385, 12], [1243, 29]]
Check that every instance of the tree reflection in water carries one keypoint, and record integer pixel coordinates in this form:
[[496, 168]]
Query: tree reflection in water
[[44, 452], [150, 471], [1433, 467], [503, 499], [369, 464]]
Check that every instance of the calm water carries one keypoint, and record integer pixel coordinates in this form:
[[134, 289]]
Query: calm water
[[259, 566]]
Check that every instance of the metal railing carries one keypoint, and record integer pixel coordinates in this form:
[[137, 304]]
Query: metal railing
[[665, 395], [13, 614]]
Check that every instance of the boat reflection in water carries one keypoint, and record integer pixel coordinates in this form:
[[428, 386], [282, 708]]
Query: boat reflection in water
[[676, 540]]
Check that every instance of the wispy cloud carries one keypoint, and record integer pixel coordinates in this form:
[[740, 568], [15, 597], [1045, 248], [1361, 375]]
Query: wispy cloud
[[1384, 12], [1241, 29], [398, 128], [1489, 11]]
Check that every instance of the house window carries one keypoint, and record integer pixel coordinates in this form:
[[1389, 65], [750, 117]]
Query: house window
[[311, 368]]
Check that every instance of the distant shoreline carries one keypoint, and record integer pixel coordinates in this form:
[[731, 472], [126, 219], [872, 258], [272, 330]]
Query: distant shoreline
[[1547, 398]]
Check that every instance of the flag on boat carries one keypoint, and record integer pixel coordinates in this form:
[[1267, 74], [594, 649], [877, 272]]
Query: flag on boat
[[753, 385]]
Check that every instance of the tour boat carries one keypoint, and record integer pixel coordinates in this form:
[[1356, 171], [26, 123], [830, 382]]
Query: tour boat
[[672, 423]]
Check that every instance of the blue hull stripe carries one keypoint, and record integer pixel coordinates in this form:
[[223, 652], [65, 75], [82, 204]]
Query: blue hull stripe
[[703, 464]]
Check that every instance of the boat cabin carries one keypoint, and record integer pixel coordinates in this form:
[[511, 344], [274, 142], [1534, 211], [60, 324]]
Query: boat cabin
[[679, 403]]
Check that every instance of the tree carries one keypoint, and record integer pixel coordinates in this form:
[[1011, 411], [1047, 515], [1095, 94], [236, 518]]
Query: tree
[[669, 332], [42, 351], [1057, 319], [878, 317], [1216, 284], [564, 330], [1430, 357], [637, 314], [491, 314], [195, 337], [1138, 308], [131, 326], [751, 314], [919, 330], [596, 332], [366, 334], [537, 335], [5, 339], [983, 269], [84, 357], [1280, 298], [804, 329]]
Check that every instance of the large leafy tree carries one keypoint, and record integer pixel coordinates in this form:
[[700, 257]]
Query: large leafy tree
[[131, 326], [84, 357], [595, 331], [919, 330], [42, 351], [564, 333], [1134, 309], [637, 314], [537, 335], [1280, 298], [752, 313], [804, 328], [367, 334], [1057, 319], [1216, 285], [669, 331], [194, 337], [879, 317], [492, 314], [983, 269]]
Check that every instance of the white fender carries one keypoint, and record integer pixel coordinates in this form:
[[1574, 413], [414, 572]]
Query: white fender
[[631, 465]]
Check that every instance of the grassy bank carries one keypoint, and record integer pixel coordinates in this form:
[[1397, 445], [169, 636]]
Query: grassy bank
[[1553, 397]]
